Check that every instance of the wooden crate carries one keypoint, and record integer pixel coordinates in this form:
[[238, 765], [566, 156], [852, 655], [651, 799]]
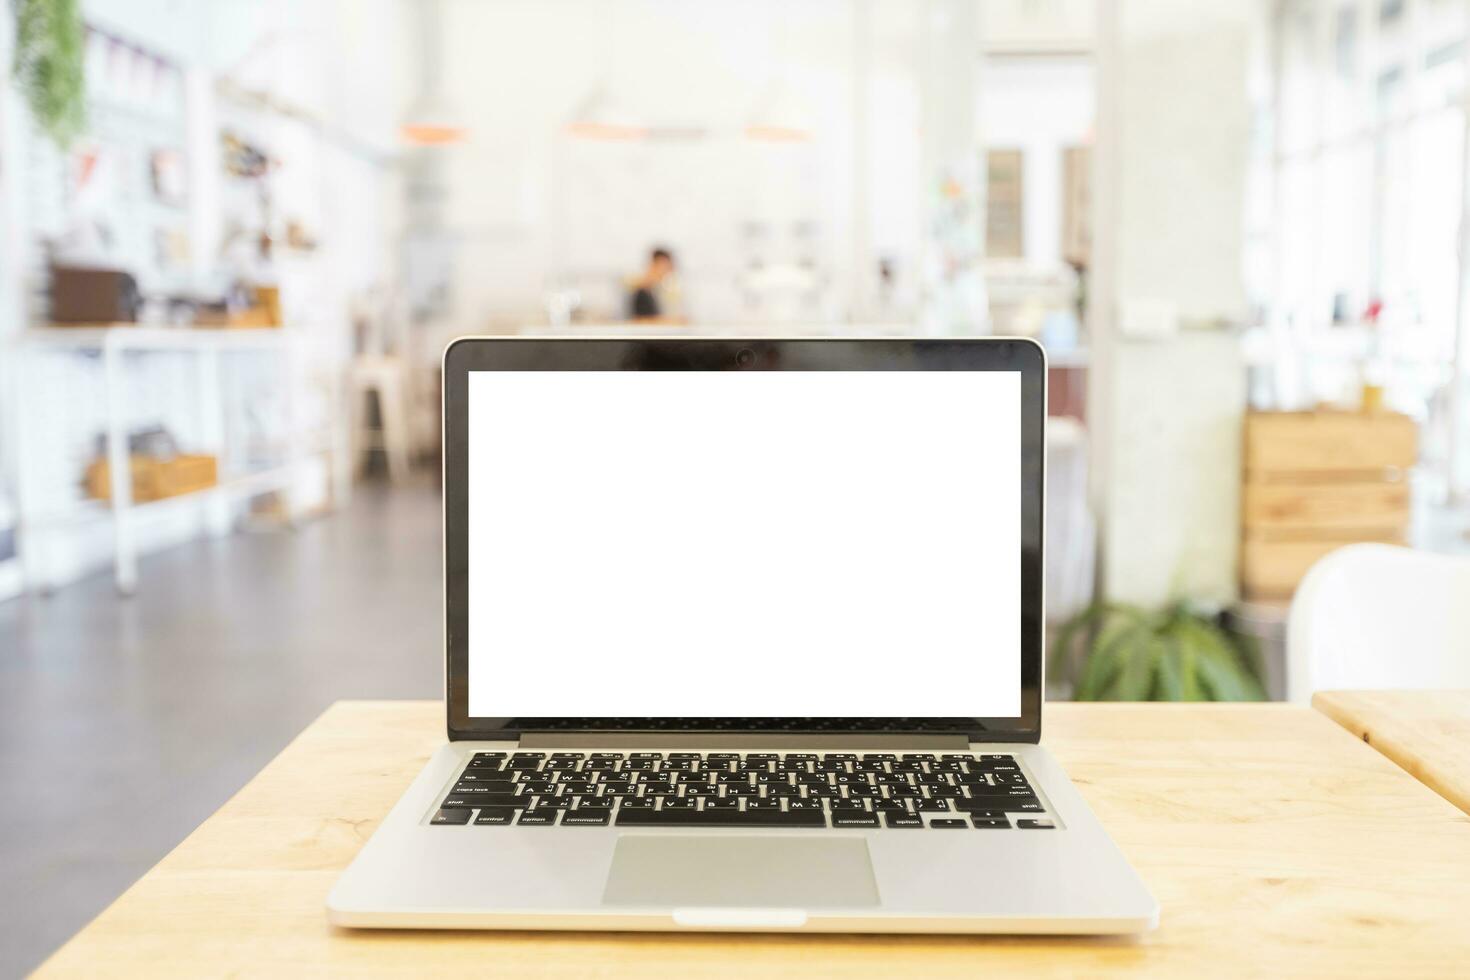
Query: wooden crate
[[156, 479], [1292, 446], [1315, 481]]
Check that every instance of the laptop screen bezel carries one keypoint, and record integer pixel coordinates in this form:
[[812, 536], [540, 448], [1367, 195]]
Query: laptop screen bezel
[[612, 354]]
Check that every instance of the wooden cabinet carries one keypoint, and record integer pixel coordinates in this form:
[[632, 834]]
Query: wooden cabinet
[[1315, 481]]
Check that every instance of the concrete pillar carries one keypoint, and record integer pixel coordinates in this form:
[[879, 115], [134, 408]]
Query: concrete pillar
[[1167, 292]]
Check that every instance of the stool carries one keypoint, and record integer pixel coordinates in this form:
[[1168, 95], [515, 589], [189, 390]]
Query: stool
[[386, 378]]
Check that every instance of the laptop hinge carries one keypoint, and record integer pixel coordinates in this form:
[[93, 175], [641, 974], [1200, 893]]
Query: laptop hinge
[[733, 740]]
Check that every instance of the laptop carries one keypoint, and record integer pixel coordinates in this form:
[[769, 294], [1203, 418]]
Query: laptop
[[743, 635]]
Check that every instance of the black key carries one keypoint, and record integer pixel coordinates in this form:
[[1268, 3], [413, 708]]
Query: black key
[[684, 755], [838, 757], [528, 755], [851, 779], [450, 816], [639, 765], [879, 757], [800, 757], [831, 765], [495, 818], [599, 765], [487, 756], [918, 757], [659, 789], [607, 755], [678, 765], [907, 766], [761, 757], [949, 824], [721, 803], [863, 792], [771, 778], [848, 805], [869, 765], [560, 765], [989, 823], [720, 818], [486, 776], [985, 814], [890, 779], [1029, 804], [636, 803], [649, 778], [575, 786], [804, 805], [854, 818], [479, 789], [933, 806], [944, 767], [741, 790], [766, 804], [902, 820], [1036, 825], [699, 789], [614, 777], [539, 786], [904, 793], [679, 803], [524, 765], [595, 803], [723, 756], [566, 755], [932, 779], [890, 806], [585, 818], [553, 802], [732, 779], [782, 790], [956, 757], [646, 755], [537, 818], [492, 800]]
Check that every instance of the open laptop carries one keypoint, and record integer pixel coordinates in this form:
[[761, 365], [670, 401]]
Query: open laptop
[[743, 635]]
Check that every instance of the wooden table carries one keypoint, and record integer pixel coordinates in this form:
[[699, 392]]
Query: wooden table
[[1275, 843], [1425, 732]]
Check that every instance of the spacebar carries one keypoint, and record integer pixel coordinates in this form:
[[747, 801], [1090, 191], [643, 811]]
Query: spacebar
[[721, 818]]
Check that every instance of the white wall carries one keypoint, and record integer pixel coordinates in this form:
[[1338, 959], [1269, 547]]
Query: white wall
[[533, 207]]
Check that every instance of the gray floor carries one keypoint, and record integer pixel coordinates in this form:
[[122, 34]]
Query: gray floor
[[124, 723]]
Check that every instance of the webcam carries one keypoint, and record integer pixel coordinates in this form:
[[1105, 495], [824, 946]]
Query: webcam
[[745, 358]]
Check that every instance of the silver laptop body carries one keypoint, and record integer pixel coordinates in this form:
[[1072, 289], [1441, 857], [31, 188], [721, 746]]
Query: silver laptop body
[[643, 536]]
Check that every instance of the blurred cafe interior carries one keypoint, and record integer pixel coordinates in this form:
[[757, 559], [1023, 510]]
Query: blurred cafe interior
[[236, 236]]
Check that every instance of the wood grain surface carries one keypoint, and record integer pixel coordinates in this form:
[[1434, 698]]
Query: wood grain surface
[[1276, 843], [1427, 733]]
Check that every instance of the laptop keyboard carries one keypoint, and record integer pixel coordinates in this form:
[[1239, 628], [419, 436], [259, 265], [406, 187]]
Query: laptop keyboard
[[752, 789]]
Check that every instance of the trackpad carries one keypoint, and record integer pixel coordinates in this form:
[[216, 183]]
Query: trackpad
[[741, 872]]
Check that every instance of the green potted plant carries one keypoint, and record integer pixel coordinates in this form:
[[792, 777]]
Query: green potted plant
[[1120, 652], [49, 43]]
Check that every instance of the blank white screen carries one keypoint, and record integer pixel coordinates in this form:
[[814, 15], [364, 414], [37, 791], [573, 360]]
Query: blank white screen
[[744, 544]]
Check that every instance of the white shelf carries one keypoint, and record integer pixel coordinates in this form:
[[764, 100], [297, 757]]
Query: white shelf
[[246, 484]]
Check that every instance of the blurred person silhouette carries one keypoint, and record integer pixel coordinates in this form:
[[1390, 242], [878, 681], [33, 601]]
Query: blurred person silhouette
[[648, 294]]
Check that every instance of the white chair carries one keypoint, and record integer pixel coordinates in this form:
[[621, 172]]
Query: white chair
[[1380, 616]]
